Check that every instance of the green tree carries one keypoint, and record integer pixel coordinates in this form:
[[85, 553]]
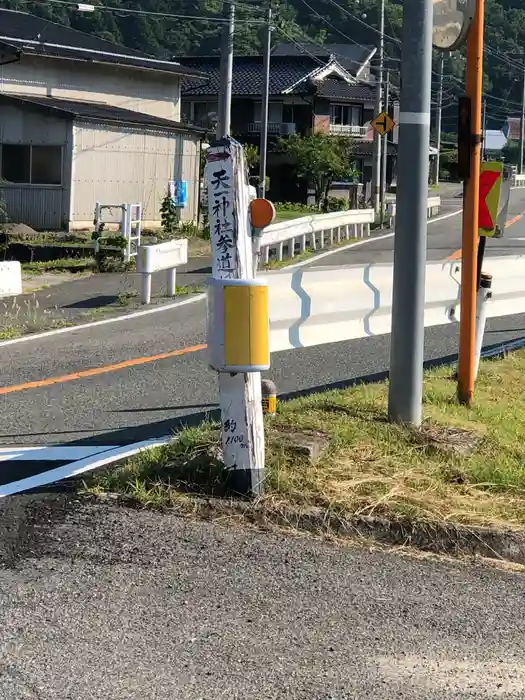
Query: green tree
[[321, 160], [511, 152]]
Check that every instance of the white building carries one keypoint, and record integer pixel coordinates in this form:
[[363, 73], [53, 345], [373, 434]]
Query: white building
[[84, 120]]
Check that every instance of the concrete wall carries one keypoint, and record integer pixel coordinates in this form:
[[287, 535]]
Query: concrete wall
[[140, 91], [116, 164]]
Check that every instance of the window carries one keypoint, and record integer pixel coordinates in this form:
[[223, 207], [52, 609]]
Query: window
[[203, 111], [32, 165], [347, 115], [288, 114], [16, 163], [46, 165], [275, 112]]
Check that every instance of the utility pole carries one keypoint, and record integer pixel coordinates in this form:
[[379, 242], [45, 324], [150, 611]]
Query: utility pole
[[405, 393], [226, 67], [484, 122], [435, 179], [376, 162], [384, 157], [264, 106], [522, 121], [470, 227]]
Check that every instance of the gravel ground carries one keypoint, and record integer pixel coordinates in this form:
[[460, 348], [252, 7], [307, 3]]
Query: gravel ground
[[101, 602]]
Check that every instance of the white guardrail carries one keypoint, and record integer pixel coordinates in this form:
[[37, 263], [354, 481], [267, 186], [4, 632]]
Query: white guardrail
[[433, 207], [313, 306], [319, 230], [10, 278], [518, 180]]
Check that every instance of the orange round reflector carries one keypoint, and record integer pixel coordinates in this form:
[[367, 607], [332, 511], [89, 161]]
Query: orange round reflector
[[262, 212]]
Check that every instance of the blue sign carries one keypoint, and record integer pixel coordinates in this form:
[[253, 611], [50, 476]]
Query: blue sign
[[179, 192]]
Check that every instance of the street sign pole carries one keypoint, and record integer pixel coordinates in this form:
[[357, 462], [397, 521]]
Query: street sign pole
[[469, 254], [407, 338]]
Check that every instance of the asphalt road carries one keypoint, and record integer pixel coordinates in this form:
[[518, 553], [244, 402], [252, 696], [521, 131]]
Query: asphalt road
[[117, 604], [149, 399], [97, 602]]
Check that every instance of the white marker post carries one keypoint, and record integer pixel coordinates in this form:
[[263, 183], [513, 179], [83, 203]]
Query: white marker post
[[226, 176]]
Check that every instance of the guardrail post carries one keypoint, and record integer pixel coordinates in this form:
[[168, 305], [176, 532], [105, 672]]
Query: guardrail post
[[145, 296], [171, 282], [240, 397]]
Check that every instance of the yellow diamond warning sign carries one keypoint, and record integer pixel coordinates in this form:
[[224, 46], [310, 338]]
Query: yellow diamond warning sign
[[383, 124]]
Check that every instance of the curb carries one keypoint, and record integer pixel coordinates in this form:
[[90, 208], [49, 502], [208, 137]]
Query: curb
[[428, 536]]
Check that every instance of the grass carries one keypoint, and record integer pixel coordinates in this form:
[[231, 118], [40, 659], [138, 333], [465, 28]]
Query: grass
[[76, 265], [463, 465], [289, 214]]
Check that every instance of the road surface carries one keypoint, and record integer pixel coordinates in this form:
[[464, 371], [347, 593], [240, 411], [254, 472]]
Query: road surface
[[119, 383], [128, 605]]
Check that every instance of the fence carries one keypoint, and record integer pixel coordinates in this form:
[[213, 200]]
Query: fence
[[518, 180], [291, 237], [433, 207], [130, 225]]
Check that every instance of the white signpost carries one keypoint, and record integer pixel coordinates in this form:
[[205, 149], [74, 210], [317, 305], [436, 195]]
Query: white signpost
[[161, 256], [242, 427]]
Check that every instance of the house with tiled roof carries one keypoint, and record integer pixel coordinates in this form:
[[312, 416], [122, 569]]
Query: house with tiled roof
[[85, 120], [313, 88]]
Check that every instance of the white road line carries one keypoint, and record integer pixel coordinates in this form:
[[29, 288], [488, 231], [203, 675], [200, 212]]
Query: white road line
[[198, 297], [51, 453], [79, 467]]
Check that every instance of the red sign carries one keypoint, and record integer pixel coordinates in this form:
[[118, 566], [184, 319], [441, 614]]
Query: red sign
[[487, 180]]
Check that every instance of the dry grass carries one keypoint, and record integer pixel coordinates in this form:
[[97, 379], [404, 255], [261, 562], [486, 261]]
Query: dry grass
[[464, 465]]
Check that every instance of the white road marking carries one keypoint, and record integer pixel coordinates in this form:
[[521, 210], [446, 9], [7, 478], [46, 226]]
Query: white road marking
[[51, 453], [198, 297], [80, 466]]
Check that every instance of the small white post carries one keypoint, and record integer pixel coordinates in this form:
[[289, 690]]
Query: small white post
[[125, 230], [302, 243], [171, 282], [291, 247], [322, 239], [266, 254], [280, 250], [146, 288], [483, 296], [242, 427]]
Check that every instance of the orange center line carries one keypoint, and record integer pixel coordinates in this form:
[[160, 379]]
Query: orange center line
[[100, 370], [456, 255]]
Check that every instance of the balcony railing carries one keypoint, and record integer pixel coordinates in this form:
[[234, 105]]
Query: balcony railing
[[357, 132], [277, 128]]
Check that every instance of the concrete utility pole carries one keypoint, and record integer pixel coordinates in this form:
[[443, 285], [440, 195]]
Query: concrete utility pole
[[225, 93], [384, 157], [522, 121], [264, 106], [376, 161], [435, 178], [408, 303]]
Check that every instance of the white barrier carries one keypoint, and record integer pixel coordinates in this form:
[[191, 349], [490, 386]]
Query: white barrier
[[433, 206], [518, 180], [10, 278], [161, 256], [314, 306], [315, 231]]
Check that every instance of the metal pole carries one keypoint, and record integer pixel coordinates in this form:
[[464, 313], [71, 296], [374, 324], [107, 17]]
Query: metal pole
[[408, 303], [482, 152], [384, 158], [264, 106], [469, 245], [439, 109], [522, 121], [376, 162], [225, 92]]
